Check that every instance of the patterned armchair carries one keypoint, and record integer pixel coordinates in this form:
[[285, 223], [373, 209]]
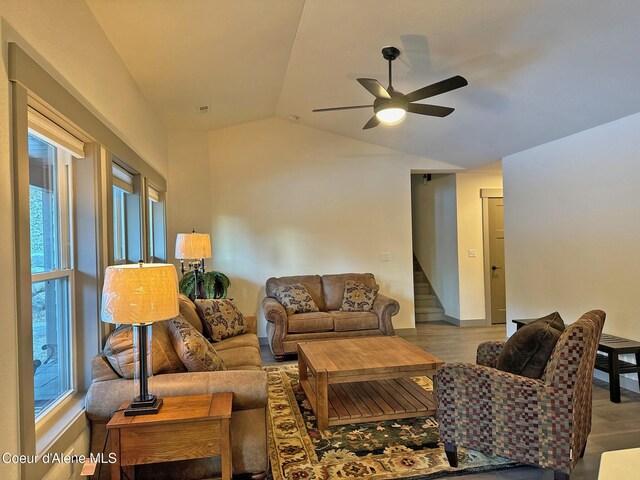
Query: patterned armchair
[[541, 422]]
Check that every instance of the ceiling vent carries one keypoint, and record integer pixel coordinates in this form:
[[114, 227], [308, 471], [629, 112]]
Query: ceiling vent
[[203, 109]]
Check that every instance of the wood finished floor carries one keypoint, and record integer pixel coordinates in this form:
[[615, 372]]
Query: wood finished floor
[[614, 427]]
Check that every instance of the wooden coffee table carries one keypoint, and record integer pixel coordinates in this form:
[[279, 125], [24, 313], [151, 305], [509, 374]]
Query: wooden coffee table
[[366, 379]]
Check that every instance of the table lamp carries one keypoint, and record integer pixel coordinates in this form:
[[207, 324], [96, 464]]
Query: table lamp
[[140, 295], [194, 247]]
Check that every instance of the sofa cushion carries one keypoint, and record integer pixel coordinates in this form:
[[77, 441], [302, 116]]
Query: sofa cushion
[[333, 287], [246, 340], [241, 358], [310, 322], [195, 351], [120, 354], [220, 318], [295, 299], [189, 312], [313, 284], [528, 350], [358, 297], [350, 321]]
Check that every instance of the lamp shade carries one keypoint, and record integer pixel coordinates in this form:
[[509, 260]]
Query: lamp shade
[[193, 245], [140, 294]]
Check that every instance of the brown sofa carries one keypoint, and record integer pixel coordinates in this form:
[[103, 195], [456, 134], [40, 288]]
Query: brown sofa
[[327, 291], [245, 378]]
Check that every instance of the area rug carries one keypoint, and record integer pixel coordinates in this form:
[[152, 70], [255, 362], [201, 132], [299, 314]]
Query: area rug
[[392, 449]]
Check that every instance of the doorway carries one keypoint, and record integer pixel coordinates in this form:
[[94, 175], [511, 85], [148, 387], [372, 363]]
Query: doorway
[[493, 221]]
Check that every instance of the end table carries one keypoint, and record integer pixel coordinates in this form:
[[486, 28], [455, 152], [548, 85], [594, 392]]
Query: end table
[[187, 427]]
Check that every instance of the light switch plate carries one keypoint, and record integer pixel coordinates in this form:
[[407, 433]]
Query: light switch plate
[[385, 257], [472, 252]]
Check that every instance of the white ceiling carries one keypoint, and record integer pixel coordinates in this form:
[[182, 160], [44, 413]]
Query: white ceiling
[[538, 70]]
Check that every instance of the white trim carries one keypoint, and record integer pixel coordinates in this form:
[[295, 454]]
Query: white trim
[[491, 193], [43, 128]]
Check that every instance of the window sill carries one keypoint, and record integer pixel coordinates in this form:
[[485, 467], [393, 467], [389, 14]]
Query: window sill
[[61, 426]]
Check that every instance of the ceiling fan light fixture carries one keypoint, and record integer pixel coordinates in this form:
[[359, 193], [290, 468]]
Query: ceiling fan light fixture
[[392, 115]]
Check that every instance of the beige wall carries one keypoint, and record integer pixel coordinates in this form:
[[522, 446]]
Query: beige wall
[[435, 236], [76, 52], [572, 225], [470, 236], [289, 199]]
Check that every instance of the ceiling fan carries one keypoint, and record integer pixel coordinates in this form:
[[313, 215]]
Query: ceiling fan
[[391, 107]]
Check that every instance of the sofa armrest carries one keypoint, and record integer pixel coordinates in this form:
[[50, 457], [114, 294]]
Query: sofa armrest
[[385, 308], [274, 312], [488, 353], [249, 389]]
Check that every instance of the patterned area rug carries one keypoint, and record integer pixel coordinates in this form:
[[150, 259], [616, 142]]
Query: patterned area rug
[[392, 449]]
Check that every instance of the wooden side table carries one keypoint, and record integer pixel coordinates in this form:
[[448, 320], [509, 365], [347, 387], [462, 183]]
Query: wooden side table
[[194, 426]]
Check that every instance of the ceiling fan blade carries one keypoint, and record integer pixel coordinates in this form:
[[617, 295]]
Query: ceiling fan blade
[[437, 88], [331, 109], [373, 122], [374, 87], [433, 110]]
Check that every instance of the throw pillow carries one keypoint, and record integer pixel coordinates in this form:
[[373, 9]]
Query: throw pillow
[[195, 351], [295, 298], [119, 351], [221, 319], [528, 350], [358, 297]]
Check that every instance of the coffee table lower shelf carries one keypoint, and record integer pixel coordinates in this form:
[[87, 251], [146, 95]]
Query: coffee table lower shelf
[[372, 401]]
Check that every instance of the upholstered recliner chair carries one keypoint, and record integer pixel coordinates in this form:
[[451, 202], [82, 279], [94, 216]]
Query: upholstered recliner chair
[[327, 291], [543, 422]]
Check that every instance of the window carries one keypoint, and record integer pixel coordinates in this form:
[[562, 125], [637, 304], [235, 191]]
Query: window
[[119, 226], [127, 230], [52, 271], [155, 226]]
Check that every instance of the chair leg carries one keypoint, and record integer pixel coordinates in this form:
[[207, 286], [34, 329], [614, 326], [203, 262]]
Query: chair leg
[[560, 476], [451, 450], [583, 450]]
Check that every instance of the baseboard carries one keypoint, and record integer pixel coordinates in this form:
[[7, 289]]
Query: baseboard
[[406, 332], [627, 381], [263, 340], [480, 322]]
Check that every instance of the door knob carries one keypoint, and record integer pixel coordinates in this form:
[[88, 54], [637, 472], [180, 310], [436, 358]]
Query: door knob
[[494, 268]]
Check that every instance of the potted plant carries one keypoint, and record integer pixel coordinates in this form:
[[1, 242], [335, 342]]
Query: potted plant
[[210, 284]]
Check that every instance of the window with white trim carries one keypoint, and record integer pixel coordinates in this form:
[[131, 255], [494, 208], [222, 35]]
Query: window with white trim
[[155, 226], [52, 265]]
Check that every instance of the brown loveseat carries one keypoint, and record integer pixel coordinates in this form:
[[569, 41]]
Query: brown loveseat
[[327, 291], [245, 378]]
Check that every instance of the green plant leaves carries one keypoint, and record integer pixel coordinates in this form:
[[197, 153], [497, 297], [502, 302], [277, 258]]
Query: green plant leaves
[[213, 284]]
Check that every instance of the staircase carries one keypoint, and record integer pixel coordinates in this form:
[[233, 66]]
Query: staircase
[[427, 305]]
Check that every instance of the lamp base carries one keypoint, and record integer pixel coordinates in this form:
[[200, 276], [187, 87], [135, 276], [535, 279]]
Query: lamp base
[[151, 406]]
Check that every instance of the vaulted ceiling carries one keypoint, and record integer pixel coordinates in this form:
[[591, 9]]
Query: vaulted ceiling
[[538, 70]]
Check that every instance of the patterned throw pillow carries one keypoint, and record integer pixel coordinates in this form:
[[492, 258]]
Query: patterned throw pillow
[[358, 297], [221, 319], [295, 298], [195, 351]]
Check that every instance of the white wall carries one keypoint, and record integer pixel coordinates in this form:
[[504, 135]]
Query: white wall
[[76, 52], [189, 185], [572, 227], [289, 199], [470, 236], [435, 236]]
